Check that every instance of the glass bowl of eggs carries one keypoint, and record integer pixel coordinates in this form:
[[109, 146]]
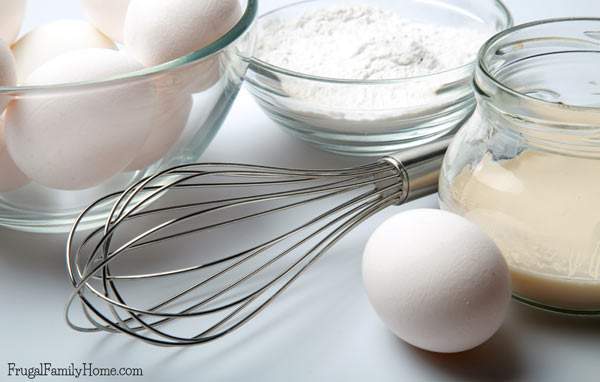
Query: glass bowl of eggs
[[91, 105]]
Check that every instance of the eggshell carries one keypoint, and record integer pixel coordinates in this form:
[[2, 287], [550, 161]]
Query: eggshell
[[53, 39], [12, 13], [168, 126], [158, 31], [11, 178], [192, 78], [8, 73], [77, 139], [436, 280], [107, 15]]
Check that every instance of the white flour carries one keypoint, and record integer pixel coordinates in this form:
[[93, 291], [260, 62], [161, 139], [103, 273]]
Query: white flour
[[364, 43]]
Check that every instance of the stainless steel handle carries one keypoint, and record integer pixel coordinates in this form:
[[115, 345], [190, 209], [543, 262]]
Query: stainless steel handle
[[420, 167]]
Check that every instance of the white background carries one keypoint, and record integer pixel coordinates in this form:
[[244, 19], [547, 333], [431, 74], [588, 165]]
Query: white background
[[322, 329]]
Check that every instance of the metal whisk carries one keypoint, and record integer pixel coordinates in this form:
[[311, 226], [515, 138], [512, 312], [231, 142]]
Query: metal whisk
[[190, 301]]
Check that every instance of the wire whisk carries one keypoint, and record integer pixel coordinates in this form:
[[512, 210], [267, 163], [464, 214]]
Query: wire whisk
[[242, 252]]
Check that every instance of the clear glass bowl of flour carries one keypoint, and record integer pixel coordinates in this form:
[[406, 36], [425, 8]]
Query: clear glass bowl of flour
[[526, 166], [371, 77]]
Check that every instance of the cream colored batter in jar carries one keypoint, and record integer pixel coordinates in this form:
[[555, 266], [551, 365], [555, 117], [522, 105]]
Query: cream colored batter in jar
[[543, 211]]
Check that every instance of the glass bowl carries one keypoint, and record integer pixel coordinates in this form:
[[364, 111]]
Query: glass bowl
[[94, 138], [524, 167], [437, 103]]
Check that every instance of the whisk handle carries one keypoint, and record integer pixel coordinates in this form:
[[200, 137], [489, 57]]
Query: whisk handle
[[420, 167]]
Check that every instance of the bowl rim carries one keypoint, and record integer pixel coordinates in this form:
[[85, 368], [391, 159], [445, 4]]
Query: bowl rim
[[508, 18], [244, 24]]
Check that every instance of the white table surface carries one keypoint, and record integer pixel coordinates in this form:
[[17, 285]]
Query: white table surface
[[322, 329]]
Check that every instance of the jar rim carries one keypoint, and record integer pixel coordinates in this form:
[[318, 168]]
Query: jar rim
[[523, 98]]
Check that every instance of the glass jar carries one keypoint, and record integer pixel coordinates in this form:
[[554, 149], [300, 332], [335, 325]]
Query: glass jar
[[526, 166]]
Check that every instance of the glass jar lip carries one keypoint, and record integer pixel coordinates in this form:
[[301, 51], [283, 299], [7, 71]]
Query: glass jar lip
[[240, 28], [486, 48], [468, 67]]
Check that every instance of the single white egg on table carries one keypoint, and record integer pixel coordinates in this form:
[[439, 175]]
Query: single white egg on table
[[12, 13], [11, 178], [168, 127], [436, 280], [158, 31], [107, 15], [76, 139], [48, 41]]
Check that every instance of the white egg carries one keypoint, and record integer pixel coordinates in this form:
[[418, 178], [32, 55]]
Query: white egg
[[8, 73], [76, 139], [158, 31], [53, 39], [11, 178], [107, 15], [12, 13], [192, 78], [436, 280], [168, 126]]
